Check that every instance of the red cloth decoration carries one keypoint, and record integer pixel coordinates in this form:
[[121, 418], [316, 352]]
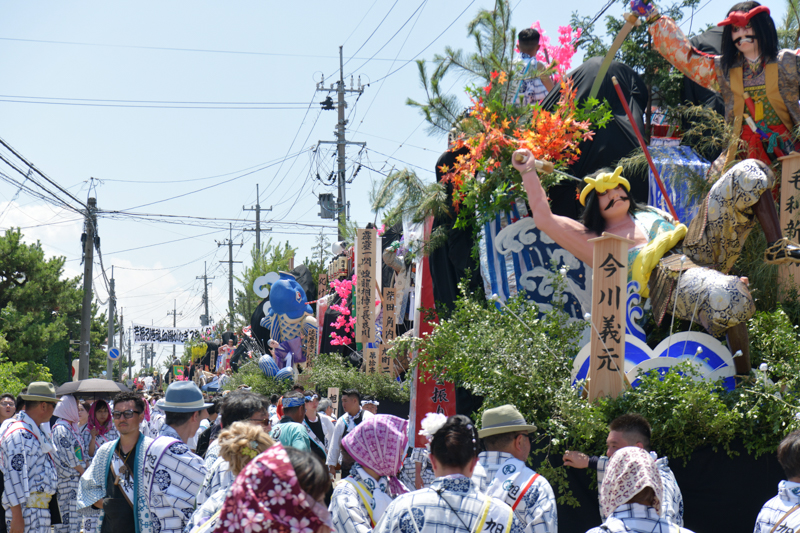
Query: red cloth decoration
[[737, 18]]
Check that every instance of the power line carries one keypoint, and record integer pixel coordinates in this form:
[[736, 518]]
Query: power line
[[373, 31], [175, 49], [429, 45], [143, 106], [169, 102]]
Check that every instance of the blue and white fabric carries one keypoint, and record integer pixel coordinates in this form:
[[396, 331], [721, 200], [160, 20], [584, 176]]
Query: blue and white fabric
[[673, 165], [91, 516], [348, 509], [164, 491], [637, 518], [69, 455], [205, 511], [536, 509], [219, 477], [787, 498], [431, 510], [516, 256], [671, 503], [27, 468]]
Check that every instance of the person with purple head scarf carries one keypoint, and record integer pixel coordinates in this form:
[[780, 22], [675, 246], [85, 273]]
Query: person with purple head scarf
[[70, 462], [377, 445]]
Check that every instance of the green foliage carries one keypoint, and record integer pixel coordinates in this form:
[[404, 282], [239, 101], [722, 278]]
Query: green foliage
[[16, 376], [329, 370], [402, 194], [494, 40], [271, 258], [251, 375]]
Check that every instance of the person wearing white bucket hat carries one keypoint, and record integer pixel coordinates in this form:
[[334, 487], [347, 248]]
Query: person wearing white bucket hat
[[501, 471], [143, 485], [184, 408], [27, 462]]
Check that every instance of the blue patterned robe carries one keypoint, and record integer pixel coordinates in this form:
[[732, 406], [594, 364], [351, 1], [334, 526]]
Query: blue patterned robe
[[69, 454]]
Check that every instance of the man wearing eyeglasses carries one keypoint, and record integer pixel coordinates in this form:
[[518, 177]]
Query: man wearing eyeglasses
[[501, 471], [238, 406], [141, 481]]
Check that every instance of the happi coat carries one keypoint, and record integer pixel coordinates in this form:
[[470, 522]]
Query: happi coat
[[788, 498], [166, 479], [70, 453], [29, 472], [501, 475], [451, 503], [637, 518], [359, 501], [90, 516]]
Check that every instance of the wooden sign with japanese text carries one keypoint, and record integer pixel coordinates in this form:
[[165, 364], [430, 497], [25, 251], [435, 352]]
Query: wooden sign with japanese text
[[371, 361], [389, 330], [789, 209], [609, 295], [366, 263], [333, 396], [323, 287]]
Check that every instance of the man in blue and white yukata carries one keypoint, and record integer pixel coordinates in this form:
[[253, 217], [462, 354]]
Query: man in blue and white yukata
[[782, 512], [501, 471], [182, 419], [26, 459], [143, 485], [634, 430]]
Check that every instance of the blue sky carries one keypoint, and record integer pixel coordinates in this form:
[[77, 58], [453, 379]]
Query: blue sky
[[246, 59]]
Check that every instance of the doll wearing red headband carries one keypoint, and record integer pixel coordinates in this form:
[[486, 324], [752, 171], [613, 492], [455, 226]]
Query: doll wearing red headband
[[759, 83]]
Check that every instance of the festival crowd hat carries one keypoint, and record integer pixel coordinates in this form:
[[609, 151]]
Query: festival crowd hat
[[182, 397], [40, 391], [503, 419]]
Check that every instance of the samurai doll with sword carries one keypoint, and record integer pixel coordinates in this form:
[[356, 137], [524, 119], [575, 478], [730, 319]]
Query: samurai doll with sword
[[759, 83], [682, 268]]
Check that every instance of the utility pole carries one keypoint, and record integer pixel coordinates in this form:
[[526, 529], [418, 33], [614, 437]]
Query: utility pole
[[130, 354], [230, 262], [86, 311], [121, 344], [174, 314], [257, 209], [204, 320], [109, 362], [341, 142]]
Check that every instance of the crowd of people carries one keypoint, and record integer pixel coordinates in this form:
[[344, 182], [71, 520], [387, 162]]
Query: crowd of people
[[186, 463]]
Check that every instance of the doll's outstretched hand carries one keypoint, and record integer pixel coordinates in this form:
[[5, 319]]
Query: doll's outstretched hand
[[645, 9], [523, 161]]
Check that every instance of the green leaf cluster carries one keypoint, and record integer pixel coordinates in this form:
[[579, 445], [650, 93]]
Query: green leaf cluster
[[329, 370]]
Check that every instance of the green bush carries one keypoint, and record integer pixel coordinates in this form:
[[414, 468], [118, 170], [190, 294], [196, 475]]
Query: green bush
[[329, 370]]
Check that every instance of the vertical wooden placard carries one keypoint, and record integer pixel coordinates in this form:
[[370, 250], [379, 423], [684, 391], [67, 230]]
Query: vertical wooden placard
[[789, 275], [609, 283], [323, 288], [389, 329], [333, 396], [371, 360], [366, 246], [311, 346]]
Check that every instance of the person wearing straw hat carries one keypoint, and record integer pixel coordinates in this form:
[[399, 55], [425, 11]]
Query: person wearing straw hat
[[501, 471], [184, 408], [26, 459]]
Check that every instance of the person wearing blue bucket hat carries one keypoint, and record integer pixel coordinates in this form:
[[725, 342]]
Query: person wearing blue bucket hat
[[184, 408]]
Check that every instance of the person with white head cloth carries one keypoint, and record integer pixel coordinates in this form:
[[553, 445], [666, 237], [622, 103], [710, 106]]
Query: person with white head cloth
[[631, 495], [70, 462]]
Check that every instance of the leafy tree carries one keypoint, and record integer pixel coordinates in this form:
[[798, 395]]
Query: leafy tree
[[271, 258], [494, 39]]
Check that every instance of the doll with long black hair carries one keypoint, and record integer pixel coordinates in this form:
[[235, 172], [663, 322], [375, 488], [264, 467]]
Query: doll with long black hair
[[759, 83]]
